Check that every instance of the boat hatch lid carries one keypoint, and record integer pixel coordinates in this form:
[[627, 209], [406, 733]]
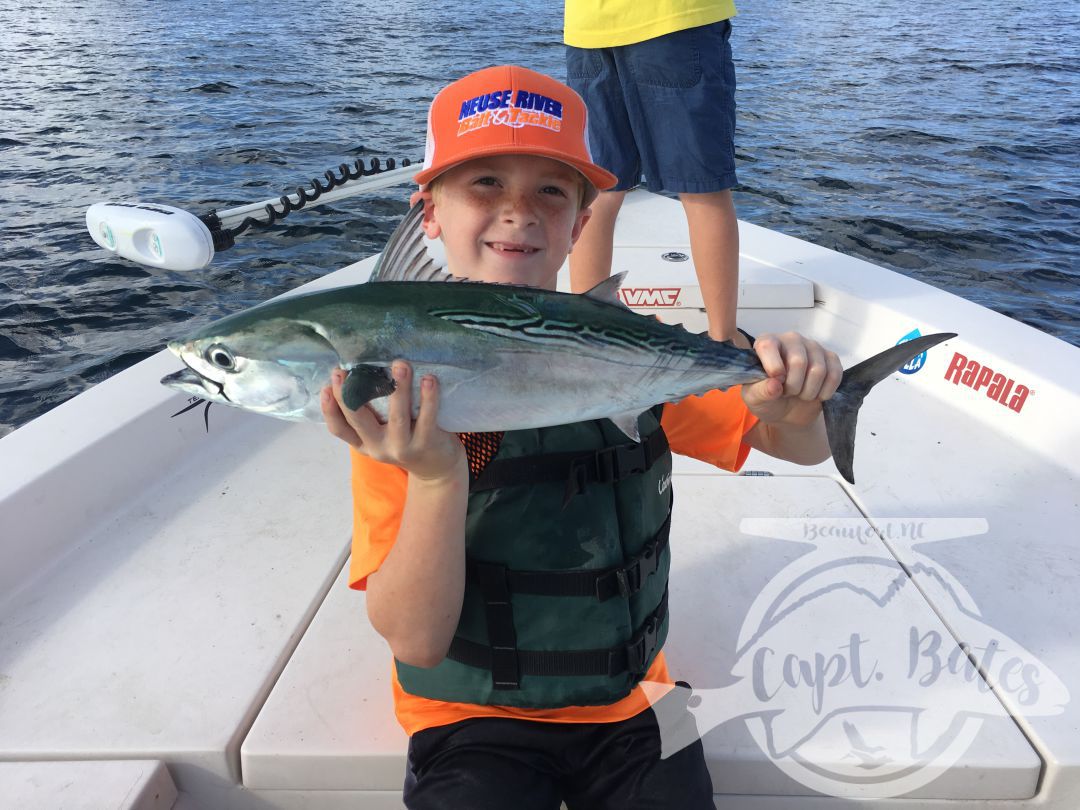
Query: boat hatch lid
[[652, 245], [329, 724], [117, 784], [157, 629], [655, 282]]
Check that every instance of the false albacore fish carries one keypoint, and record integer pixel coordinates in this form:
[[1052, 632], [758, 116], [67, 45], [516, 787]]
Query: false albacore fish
[[506, 357]]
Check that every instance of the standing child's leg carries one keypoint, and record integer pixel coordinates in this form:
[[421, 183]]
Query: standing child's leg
[[593, 75], [590, 260], [680, 96], [714, 243]]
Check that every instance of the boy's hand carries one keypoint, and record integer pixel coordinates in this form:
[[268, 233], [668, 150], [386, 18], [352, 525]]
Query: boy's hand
[[802, 375], [420, 448]]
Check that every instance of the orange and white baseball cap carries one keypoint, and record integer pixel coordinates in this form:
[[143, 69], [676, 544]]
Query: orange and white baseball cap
[[509, 110]]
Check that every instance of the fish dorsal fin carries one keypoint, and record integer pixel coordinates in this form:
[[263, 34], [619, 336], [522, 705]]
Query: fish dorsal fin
[[406, 257], [608, 290]]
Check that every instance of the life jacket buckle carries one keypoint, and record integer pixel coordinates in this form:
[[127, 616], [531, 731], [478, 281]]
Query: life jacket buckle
[[620, 462], [629, 580], [576, 481], [641, 647], [648, 562]]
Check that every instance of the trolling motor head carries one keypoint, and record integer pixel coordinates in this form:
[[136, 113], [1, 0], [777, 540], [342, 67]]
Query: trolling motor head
[[153, 235], [168, 238]]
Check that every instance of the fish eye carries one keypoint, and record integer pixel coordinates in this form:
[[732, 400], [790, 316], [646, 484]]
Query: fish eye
[[221, 357]]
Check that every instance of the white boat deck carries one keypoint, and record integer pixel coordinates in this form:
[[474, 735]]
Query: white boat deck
[[174, 617]]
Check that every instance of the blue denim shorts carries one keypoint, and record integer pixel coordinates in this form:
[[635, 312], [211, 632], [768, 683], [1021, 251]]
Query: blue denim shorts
[[664, 108]]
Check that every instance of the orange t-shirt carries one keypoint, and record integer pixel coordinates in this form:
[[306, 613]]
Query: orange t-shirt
[[710, 427]]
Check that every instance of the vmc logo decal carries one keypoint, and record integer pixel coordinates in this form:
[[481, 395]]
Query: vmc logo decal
[[642, 297]]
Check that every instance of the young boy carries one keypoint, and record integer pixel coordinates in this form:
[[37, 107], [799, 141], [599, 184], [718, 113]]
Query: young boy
[[523, 608]]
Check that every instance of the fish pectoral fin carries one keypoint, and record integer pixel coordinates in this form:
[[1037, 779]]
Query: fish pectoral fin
[[627, 423], [365, 383]]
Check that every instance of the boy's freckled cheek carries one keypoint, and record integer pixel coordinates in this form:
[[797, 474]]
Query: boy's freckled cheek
[[478, 196]]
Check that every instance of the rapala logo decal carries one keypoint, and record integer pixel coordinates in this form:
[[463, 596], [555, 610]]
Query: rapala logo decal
[[650, 296], [1003, 390]]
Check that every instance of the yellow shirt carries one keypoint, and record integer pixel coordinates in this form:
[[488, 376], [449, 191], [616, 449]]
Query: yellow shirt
[[610, 23]]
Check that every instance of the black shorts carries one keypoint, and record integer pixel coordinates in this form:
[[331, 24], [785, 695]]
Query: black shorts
[[508, 764]]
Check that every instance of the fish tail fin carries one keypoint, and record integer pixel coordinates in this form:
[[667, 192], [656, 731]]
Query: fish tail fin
[[842, 410]]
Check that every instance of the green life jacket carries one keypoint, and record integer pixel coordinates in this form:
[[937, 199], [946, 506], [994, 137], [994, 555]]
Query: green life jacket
[[567, 564]]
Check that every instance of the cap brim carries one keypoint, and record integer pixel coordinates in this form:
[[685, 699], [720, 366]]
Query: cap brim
[[600, 178]]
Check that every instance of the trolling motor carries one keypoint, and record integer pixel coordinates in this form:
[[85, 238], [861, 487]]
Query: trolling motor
[[170, 238]]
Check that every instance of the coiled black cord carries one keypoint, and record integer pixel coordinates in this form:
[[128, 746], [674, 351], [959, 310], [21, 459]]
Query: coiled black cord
[[225, 238]]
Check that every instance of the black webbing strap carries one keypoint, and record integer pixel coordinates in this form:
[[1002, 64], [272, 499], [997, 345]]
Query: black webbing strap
[[576, 469], [502, 654], [632, 657], [603, 583]]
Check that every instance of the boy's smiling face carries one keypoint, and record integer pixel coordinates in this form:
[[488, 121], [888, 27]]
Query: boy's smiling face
[[507, 218]]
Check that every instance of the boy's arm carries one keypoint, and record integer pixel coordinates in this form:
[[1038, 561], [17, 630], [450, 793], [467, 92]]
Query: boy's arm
[[414, 598], [802, 375]]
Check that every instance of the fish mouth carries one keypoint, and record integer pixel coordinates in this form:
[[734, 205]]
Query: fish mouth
[[192, 382]]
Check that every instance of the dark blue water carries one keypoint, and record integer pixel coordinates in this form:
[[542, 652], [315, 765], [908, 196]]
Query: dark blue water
[[939, 139]]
